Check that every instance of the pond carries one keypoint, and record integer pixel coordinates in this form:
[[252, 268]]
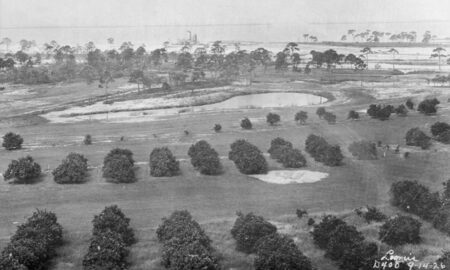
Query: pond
[[269, 100]]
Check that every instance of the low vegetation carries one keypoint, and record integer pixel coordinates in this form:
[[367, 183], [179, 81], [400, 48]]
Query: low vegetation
[[363, 150]]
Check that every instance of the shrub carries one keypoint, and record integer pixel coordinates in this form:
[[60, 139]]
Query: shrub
[[217, 128], [321, 151], [279, 252], [324, 230], [113, 219], [73, 169], [301, 117], [248, 229], [329, 117], [428, 106], [246, 124], [311, 221], [272, 118], [414, 198], [34, 242], [118, 169], [301, 212], [292, 158], [344, 237], [12, 141], [374, 214], [409, 104], [400, 230], [439, 128], [247, 158], [204, 158], [106, 251], [353, 115], [320, 112], [363, 150], [24, 170], [163, 163], [275, 146], [416, 137], [87, 139], [401, 110]]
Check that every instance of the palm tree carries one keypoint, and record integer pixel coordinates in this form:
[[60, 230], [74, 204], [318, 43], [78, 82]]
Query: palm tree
[[367, 51], [438, 52], [393, 52], [7, 41]]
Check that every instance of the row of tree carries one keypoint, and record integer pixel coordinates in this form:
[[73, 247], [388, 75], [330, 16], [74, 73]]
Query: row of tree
[[377, 36]]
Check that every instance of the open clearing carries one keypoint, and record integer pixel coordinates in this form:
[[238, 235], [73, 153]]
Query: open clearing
[[213, 200]]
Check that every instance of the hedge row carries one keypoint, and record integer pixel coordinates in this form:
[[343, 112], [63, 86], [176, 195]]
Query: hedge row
[[283, 151], [321, 151], [34, 243], [185, 244], [110, 242], [204, 158], [247, 158]]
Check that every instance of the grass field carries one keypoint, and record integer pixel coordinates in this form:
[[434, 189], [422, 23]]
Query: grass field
[[213, 200]]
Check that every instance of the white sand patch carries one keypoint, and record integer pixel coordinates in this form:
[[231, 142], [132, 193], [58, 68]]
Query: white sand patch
[[283, 177], [18, 92]]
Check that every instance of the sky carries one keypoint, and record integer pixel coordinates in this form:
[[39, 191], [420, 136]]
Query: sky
[[251, 20]]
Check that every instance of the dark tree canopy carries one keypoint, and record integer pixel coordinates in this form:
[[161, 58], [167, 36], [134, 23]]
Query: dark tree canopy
[[12, 141]]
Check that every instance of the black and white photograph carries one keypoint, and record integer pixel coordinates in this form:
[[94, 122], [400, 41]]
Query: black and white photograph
[[224, 134]]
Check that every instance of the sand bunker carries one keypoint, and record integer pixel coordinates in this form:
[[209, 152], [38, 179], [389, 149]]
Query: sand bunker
[[291, 177]]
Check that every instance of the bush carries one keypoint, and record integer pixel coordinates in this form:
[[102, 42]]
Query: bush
[[373, 214], [400, 230], [329, 117], [344, 237], [34, 242], [414, 198], [324, 230], [113, 219], [439, 128], [275, 146], [204, 158], [106, 251], [12, 141], [247, 158], [87, 140], [321, 151], [163, 163], [320, 112], [279, 252], [416, 137], [428, 106], [248, 229], [217, 128], [24, 170], [409, 104], [246, 124], [273, 118], [401, 110], [363, 150], [72, 170], [301, 117], [353, 115], [118, 169]]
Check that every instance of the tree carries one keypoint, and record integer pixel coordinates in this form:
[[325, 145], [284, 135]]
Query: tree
[[393, 52], [276, 147], [438, 128], [118, 169], [113, 219], [428, 106], [185, 61], [204, 158], [163, 163], [321, 151], [401, 110], [137, 76], [344, 237], [23, 170], [217, 127], [400, 230], [438, 53], [416, 137], [21, 57], [323, 231], [247, 158], [292, 158], [72, 170], [106, 251], [363, 150], [89, 73], [6, 41], [272, 118], [281, 63], [110, 41], [279, 252], [246, 123], [248, 229], [262, 57], [301, 117], [12, 141], [87, 139], [320, 112], [367, 51], [353, 115], [329, 117]]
